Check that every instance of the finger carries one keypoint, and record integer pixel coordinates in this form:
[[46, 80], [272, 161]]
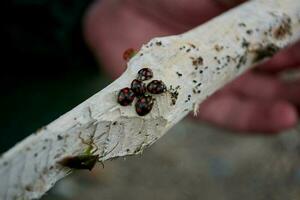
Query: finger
[[258, 86], [287, 58], [291, 92], [266, 88], [112, 27], [254, 116]]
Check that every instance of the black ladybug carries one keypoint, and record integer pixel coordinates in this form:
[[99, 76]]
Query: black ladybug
[[156, 87], [145, 74], [138, 87], [125, 96], [144, 105]]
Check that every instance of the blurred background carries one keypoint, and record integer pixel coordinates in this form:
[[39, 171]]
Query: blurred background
[[48, 69]]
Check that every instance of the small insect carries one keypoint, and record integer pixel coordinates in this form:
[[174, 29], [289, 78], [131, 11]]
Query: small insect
[[138, 87], [129, 53], [144, 105], [156, 87], [145, 74], [125, 96], [80, 162], [85, 161]]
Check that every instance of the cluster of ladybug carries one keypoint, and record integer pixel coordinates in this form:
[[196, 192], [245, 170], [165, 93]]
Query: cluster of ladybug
[[139, 89]]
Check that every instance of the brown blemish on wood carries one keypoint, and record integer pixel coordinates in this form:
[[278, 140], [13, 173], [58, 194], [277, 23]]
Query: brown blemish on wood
[[283, 29], [242, 60], [174, 94], [28, 188], [158, 43], [192, 45], [218, 48], [265, 52], [197, 61]]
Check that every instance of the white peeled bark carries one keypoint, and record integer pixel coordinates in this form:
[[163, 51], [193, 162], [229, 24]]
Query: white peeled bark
[[195, 64]]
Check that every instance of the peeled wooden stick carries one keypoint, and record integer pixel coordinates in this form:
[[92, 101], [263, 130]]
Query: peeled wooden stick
[[192, 65]]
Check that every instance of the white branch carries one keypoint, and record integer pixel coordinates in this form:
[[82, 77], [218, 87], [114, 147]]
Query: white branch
[[212, 54]]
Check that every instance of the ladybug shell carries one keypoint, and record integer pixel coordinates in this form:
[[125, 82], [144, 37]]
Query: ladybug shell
[[144, 105], [156, 87], [138, 87], [125, 96], [145, 74]]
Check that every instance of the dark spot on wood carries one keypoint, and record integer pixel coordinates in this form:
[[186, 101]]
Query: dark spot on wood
[[158, 43], [174, 94], [127, 150], [178, 74], [245, 43], [192, 45], [201, 71], [242, 60], [249, 32], [218, 48], [59, 137], [28, 188], [228, 58], [188, 50], [44, 147], [35, 154], [284, 29], [265, 52], [242, 24], [181, 48], [197, 61], [194, 81], [114, 123]]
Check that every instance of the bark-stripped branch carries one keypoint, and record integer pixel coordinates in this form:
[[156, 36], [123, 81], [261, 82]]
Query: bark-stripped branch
[[192, 65]]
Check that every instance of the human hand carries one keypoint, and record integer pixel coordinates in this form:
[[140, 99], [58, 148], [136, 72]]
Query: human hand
[[255, 102]]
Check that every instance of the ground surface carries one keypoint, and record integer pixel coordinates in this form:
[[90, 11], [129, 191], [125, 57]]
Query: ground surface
[[196, 161]]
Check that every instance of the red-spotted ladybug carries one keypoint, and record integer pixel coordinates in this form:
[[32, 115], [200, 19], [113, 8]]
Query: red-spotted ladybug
[[144, 105], [156, 87], [138, 87], [145, 74], [125, 96]]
